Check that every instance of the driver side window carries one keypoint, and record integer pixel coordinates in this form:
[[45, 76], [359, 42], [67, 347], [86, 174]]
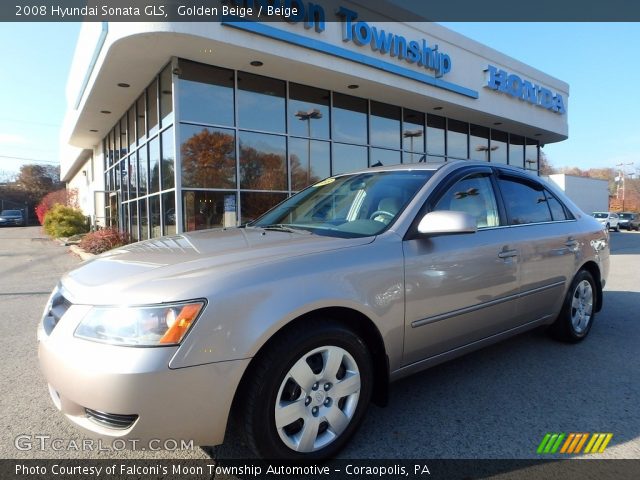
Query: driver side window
[[473, 195]]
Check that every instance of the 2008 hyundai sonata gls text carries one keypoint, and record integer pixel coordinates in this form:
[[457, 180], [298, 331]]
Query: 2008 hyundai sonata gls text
[[293, 323]]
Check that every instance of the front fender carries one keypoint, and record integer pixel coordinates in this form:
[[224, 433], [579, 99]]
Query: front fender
[[256, 303]]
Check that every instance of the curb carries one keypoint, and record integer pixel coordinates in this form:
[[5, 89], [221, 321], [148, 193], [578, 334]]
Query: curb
[[81, 253]]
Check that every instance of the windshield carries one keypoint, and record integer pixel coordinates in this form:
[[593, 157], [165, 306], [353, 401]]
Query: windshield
[[356, 205], [626, 216], [13, 213], [600, 215]]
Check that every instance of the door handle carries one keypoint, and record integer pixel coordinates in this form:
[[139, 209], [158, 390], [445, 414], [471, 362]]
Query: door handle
[[508, 253], [571, 243]]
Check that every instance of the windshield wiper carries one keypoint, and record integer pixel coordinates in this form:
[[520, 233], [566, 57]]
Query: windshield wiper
[[282, 227]]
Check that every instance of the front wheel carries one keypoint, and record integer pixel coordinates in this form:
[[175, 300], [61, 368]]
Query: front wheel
[[578, 311], [309, 392]]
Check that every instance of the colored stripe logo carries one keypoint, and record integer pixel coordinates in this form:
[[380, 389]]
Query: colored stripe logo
[[572, 443]]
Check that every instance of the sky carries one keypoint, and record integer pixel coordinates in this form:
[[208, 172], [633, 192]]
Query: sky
[[599, 61]]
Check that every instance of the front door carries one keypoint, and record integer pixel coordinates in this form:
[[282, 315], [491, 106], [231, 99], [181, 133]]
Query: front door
[[460, 288]]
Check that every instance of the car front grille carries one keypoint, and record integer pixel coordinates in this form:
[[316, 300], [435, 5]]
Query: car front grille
[[111, 420]]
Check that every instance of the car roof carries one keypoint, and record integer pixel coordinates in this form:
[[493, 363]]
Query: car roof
[[433, 166]]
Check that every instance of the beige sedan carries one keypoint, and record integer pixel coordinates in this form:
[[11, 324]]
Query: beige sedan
[[293, 323]]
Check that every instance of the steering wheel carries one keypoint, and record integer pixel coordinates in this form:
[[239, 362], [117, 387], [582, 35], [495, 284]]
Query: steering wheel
[[384, 213]]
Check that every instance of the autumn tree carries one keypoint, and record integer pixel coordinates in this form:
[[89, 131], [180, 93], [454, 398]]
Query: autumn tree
[[38, 180], [208, 160]]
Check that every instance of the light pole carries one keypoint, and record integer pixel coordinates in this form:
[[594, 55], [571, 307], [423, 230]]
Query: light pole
[[314, 114], [486, 150], [621, 181], [411, 134]]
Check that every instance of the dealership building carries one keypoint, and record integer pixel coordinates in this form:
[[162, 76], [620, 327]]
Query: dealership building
[[180, 126]]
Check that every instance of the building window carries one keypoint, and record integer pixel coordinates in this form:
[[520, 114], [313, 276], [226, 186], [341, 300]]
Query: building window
[[203, 209], [262, 161], [309, 160], [261, 103], [141, 127], [166, 97], [152, 108], [499, 142], [169, 213], [308, 111], [154, 165], [155, 229], [381, 156], [208, 157], [413, 131], [435, 135], [531, 155], [347, 158], [479, 148], [349, 119], [206, 94], [168, 159], [516, 151], [143, 172], [255, 204], [384, 124], [457, 137]]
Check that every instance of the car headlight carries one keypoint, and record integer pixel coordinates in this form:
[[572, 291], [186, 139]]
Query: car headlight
[[145, 326]]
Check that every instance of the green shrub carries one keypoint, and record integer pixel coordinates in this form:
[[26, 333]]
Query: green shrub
[[103, 240], [62, 221]]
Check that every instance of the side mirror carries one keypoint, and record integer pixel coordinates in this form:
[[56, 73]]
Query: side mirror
[[447, 222]]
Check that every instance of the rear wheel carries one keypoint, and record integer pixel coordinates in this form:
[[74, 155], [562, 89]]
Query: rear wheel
[[578, 311], [308, 394]]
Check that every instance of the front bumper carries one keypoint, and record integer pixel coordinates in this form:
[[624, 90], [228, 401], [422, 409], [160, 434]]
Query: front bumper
[[136, 387]]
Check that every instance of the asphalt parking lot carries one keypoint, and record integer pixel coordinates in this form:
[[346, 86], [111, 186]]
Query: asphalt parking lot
[[495, 403]]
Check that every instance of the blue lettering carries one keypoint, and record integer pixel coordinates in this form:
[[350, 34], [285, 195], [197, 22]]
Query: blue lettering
[[381, 40], [445, 64], [399, 47], [545, 98], [514, 86], [559, 104], [315, 18], [348, 16], [530, 93], [524, 90], [413, 54], [362, 33]]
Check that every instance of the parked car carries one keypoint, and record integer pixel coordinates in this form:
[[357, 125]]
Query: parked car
[[293, 323], [629, 221], [11, 218], [609, 220]]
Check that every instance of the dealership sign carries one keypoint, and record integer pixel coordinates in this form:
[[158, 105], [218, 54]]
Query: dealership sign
[[511, 84]]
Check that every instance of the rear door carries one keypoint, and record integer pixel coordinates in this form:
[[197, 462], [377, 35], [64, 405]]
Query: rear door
[[543, 232]]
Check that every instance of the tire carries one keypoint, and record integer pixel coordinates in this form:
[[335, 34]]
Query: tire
[[608, 227], [578, 310], [617, 228], [312, 416]]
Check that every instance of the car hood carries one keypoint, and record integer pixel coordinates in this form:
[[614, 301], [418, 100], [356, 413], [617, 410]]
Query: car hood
[[168, 268]]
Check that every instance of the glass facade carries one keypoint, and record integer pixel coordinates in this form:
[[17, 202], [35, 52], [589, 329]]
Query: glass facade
[[205, 146]]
